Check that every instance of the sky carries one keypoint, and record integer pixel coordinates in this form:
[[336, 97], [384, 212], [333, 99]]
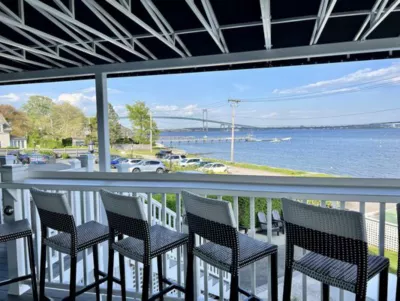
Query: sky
[[327, 94]]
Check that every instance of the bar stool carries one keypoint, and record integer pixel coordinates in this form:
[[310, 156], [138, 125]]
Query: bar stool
[[338, 249], [14, 231], [55, 213], [144, 242], [226, 249]]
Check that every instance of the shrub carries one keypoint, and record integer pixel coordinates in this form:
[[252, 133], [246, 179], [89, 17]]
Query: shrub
[[47, 152], [65, 156]]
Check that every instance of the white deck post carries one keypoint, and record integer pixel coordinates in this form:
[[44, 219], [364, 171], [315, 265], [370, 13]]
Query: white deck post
[[102, 122], [12, 198]]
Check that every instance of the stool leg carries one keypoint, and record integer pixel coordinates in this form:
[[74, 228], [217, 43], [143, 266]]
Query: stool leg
[[274, 277], [122, 275], [234, 296], [287, 285], [160, 275], [96, 270], [325, 292], [146, 278], [110, 273], [383, 284], [189, 294], [42, 272], [72, 281], [32, 266]]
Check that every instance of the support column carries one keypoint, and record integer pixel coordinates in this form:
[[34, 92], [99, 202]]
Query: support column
[[102, 122]]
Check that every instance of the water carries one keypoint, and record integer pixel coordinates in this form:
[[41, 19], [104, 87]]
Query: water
[[372, 153]]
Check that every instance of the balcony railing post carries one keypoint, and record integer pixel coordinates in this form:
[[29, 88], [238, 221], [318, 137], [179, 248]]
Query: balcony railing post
[[13, 201]]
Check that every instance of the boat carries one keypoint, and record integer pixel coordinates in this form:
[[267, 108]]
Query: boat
[[286, 139], [275, 140]]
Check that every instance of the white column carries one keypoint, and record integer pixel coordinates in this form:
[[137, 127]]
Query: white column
[[102, 122], [12, 198]]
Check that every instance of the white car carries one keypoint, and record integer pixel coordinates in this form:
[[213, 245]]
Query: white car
[[176, 158], [190, 162], [148, 166], [131, 161], [214, 167]]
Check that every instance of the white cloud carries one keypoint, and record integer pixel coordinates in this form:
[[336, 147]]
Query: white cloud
[[173, 110], [368, 76], [121, 110], [10, 97], [76, 99], [270, 115], [93, 89]]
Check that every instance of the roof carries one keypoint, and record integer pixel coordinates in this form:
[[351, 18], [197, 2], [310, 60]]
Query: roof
[[73, 39], [3, 121]]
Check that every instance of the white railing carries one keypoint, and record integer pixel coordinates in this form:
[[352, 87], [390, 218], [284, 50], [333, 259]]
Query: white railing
[[83, 190]]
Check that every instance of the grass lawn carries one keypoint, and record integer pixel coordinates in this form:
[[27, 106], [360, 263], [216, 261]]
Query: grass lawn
[[391, 216], [389, 254]]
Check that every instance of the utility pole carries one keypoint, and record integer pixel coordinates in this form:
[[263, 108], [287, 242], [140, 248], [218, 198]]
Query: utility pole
[[234, 103], [151, 133]]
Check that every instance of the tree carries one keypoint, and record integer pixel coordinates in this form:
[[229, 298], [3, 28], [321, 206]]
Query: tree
[[139, 115], [39, 109], [113, 124], [18, 120], [68, 120]]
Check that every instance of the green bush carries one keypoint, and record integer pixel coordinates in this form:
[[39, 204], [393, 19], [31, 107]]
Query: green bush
[[65, 156], [47, 152]]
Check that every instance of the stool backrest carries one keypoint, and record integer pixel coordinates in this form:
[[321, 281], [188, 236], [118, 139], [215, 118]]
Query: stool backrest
[[211, 219], [125, 214], [339, 234], [54, 210]]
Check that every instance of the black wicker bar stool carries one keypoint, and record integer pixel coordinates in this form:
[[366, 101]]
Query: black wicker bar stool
[[144, 242], [55, 213], [338, 249], [227, 249], [13, 231]]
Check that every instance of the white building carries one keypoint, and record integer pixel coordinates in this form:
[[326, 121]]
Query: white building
[[6, 139]]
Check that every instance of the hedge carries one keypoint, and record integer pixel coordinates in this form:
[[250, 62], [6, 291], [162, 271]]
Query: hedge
[[260, 204]]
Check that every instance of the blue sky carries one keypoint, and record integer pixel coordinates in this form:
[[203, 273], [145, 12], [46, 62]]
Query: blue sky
[[303, 95]]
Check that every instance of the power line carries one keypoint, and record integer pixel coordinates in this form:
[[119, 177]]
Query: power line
[[322, 117]]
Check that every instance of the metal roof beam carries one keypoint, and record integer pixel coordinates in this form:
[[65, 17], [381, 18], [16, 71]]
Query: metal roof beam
[[73, 53], [145, 26], [24, 60], [206, 25], [163, 24], [230, 59], [212, 19], [324, 13], [10, 68], [380, 19], [266, 20], [30, 49], [58, 14]]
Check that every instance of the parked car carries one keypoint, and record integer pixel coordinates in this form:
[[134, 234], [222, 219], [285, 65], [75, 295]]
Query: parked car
[[163, 153], [190, 162], [204, 163], [131, 161], [34, 158], [214, 167], [112, 157], [176, 158], [117, 161], [148, 166]]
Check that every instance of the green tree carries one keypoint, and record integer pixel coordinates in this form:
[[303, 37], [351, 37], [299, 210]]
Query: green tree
[[68, 120], [18, 120], [139, 115], [113, 124], [39, 109]]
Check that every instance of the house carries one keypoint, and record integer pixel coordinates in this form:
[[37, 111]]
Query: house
[[6, 139]]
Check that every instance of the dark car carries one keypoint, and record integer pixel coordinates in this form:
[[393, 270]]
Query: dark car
[[34, 158], [163, 153], [116, 161]]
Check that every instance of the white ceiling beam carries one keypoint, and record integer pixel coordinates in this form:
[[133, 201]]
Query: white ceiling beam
[[58, 14], [9, 21], [145, 26], [380, 19], [63, 8], [380, 10], [207, 26], [10, 68], [33, 50], [324, 19], [228, 60], [370, 18], [24, 60], [151, 7], [12, 51], [98, 11], [125, 4], [5, 70], [144, 48], [158, 22], [73, 53], [266, 19], [212, 19]]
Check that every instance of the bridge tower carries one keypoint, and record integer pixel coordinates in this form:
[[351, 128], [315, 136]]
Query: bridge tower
[[205, 120]]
